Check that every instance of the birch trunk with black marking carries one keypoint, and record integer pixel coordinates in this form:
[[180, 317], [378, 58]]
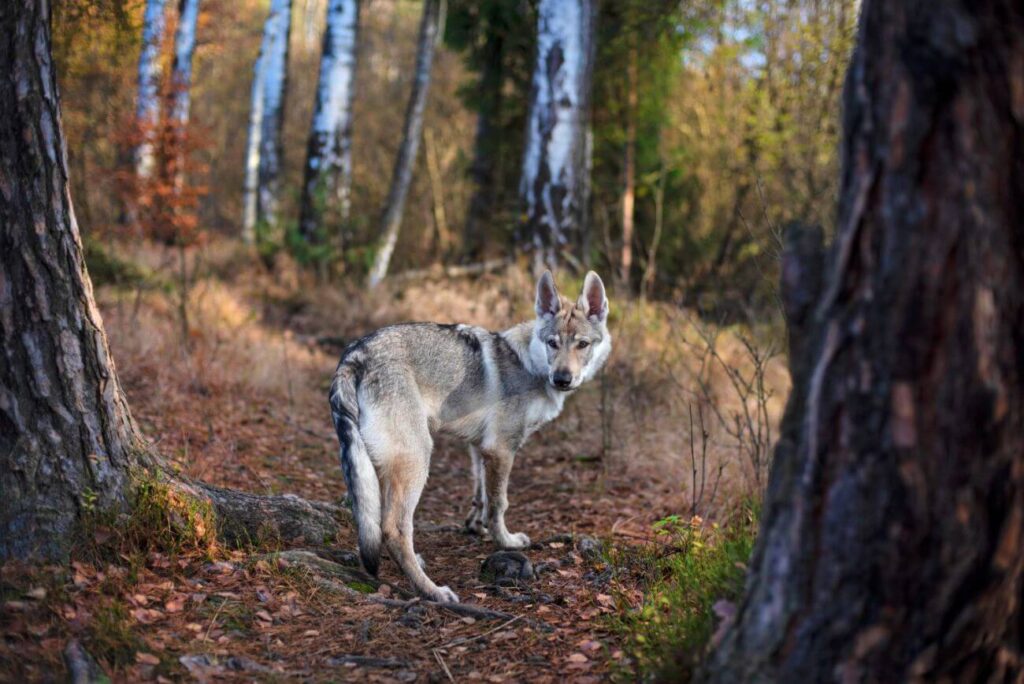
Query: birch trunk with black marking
[[892, 541], [263, 153], [68, 444], [327, 184], [181, 69], [401, 177], [147, 105], [556, 161]]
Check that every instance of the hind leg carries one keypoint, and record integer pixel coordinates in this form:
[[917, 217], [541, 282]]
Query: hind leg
[[476, 521], [402, 485]]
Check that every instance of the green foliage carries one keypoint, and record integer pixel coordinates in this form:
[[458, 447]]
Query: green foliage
[[158, 517], [110, 636], [696, 566], [108, 268]]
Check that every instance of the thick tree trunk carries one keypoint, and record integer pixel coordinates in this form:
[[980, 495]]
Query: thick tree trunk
[[68, 444], [65, 429], [892, 542], [263, 154], [328, 178], [147, 106], [401, 177], [555, 179]]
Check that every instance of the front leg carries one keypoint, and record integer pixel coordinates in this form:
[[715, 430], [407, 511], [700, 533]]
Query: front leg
[[497, 466], [476, 521]]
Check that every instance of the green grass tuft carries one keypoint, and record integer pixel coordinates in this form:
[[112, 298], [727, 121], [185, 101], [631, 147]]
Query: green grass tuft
[[700, 564]]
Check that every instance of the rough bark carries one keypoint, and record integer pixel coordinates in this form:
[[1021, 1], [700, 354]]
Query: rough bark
[[147, 106], [401, 177], [263, 153], [68, 444], [556, 161], [65, 429], [328, 177], [891, 542]]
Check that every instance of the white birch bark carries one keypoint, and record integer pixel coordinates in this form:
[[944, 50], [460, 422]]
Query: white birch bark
[[401, 177], [328, 177], [181, 72], [555, 180], [263, 154], [147, 106]]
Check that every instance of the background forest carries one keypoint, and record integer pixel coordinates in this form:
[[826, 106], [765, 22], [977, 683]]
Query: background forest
[[719, 119]]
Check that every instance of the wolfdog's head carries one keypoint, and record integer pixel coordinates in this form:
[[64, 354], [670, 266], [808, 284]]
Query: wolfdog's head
[[572, 338]]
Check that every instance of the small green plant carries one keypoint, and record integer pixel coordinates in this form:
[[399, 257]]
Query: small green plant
[[694, 566], [110, 634]]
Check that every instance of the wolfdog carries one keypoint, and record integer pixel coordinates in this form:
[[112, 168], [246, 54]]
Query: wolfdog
[[397, 387]]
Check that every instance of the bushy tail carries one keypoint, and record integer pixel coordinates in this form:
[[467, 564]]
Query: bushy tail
[[360, 476]]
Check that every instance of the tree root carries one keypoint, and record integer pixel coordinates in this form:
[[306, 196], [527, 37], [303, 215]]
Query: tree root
[[244, 518]]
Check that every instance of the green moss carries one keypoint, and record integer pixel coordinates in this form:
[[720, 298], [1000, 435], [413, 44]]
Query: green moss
[[669, 634]]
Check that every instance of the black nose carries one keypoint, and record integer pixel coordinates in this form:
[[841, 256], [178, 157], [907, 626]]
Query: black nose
[[562, 379]]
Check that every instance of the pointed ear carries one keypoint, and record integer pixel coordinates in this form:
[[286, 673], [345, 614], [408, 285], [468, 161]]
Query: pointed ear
[[593, 300], [548, 302]]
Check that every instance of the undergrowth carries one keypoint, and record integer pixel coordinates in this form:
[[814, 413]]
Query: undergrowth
[[694, 566]]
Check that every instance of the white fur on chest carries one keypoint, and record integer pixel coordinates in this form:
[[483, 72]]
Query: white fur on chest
[[544, 409]]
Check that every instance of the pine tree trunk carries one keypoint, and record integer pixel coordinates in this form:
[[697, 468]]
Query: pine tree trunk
[[263, 155], [401, 177], [67, 440], [481, 171], [892, 542], [147, 106], [65, 428], [556, 162], [328, 179]]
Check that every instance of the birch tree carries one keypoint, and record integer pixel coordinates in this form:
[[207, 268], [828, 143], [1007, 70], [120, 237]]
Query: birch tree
[[181, 69], [891, 545], [263, 154], [147, 106], [556, 163], [68, 443], [391, 219], [328, 176]]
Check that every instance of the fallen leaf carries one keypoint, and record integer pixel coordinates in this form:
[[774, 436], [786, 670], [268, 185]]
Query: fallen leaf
[[37, 593], [146, 658], [175, 605], [578, 658], [264, 615]]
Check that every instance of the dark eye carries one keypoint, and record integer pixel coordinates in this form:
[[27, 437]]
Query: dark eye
[[583, 344], [553, 343]]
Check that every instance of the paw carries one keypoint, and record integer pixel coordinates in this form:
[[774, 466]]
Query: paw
[[476, 525], [514, 541], [444, 595]]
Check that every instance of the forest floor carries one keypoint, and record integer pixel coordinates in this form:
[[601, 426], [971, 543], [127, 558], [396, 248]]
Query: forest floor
[[247, 409]]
